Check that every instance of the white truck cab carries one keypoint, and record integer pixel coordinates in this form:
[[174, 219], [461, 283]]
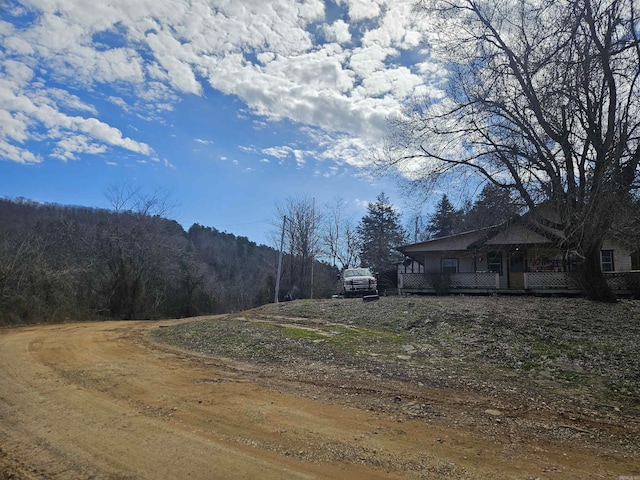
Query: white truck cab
[[358, 282]]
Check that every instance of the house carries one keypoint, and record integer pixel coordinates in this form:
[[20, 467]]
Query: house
[[521, 256]]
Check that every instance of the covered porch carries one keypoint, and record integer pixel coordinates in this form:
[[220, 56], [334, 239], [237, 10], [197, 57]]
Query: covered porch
[[511, 260]]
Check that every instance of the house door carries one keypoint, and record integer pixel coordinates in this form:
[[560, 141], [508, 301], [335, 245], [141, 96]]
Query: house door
[[516, 270]]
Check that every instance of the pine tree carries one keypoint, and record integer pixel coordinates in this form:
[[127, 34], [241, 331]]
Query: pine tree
[[380, 232], [446, 220], [493, 206]]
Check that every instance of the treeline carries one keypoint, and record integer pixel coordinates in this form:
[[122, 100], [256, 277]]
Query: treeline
[[61, 263], [493, 206]]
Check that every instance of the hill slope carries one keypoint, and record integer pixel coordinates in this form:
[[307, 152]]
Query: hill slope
[[60, 263]]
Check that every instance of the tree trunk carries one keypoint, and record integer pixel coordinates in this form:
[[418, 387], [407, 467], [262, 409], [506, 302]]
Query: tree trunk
[[590, 277]]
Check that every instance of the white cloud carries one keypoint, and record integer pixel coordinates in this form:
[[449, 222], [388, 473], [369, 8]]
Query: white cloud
[[277, 152], [396, 28], [68, 147], [17, 154], [14, 126], [33, 114], [70, 101], [329, 172], [362, 204], [364, 61], [247, 149], [362, 9], [17, 72], [299, 155], [284, 152], [174, 61], [147, 54], [338, 32]]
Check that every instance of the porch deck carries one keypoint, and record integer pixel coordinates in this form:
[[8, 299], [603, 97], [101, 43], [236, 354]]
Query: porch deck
[[624, 283]]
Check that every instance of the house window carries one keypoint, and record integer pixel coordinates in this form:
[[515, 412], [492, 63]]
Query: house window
[[635, 260], [449, 265], [494, 262], [606, 261]]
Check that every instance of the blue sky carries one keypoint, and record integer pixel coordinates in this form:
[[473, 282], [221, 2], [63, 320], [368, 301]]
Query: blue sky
[[231, 106]]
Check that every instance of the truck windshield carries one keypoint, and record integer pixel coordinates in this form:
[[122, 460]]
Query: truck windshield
[[357, 272]]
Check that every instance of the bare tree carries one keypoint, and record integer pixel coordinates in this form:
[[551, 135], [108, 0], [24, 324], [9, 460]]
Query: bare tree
[[340, 237], [33, 285], [133, 254], [301, 241], [124, 197], [543, 99]]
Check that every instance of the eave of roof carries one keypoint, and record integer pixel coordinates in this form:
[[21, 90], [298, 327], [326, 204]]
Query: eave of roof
[[459, 241], [521, 230]]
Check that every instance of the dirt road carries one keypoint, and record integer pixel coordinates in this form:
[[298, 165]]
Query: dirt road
[[100, 400]]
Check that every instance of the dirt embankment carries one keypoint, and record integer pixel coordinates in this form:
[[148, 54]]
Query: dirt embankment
[[340, 398]]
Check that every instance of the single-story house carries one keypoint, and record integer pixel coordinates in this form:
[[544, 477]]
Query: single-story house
[[521, 256]]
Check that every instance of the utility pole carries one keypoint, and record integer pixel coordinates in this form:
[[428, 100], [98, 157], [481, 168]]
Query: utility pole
[[313, 240], [284, 223]]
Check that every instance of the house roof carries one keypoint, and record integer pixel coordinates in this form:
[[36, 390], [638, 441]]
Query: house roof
[[517, 234], [522, 230], [460, 241]]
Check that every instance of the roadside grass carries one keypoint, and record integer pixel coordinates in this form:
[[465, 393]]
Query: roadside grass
[[265, 342], [569, 346]]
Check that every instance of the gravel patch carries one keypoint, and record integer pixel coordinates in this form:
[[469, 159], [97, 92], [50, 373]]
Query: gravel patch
[[553, 367]]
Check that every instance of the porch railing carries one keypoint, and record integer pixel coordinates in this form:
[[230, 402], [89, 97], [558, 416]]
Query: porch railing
[[549, 281], [624, 281], [425, 281], [413, 281], [475, 280], [618, 281]]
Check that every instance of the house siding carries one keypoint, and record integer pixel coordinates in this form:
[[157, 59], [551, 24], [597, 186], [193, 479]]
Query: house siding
[[622, 262], [621, 256], [432, 262], [545, 260], [465, 264]]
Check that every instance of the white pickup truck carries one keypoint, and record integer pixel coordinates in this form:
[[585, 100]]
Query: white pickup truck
[[358, 281]]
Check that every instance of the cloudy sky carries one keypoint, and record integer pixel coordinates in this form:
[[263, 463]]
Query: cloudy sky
[[230, 105]]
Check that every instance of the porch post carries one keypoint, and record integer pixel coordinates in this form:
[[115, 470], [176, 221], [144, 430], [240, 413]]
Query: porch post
[[475, 260]]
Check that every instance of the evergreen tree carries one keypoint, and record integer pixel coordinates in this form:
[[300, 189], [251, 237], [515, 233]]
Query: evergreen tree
[[493, 206], [446, 220], [380, 232]]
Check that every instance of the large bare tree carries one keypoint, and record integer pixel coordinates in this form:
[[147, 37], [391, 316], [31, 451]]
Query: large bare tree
[[301, 237], [132, 254], [542, 98], [340, 242]]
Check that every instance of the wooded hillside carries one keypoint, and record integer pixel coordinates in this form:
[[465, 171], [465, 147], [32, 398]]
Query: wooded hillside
[[61, 263]]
